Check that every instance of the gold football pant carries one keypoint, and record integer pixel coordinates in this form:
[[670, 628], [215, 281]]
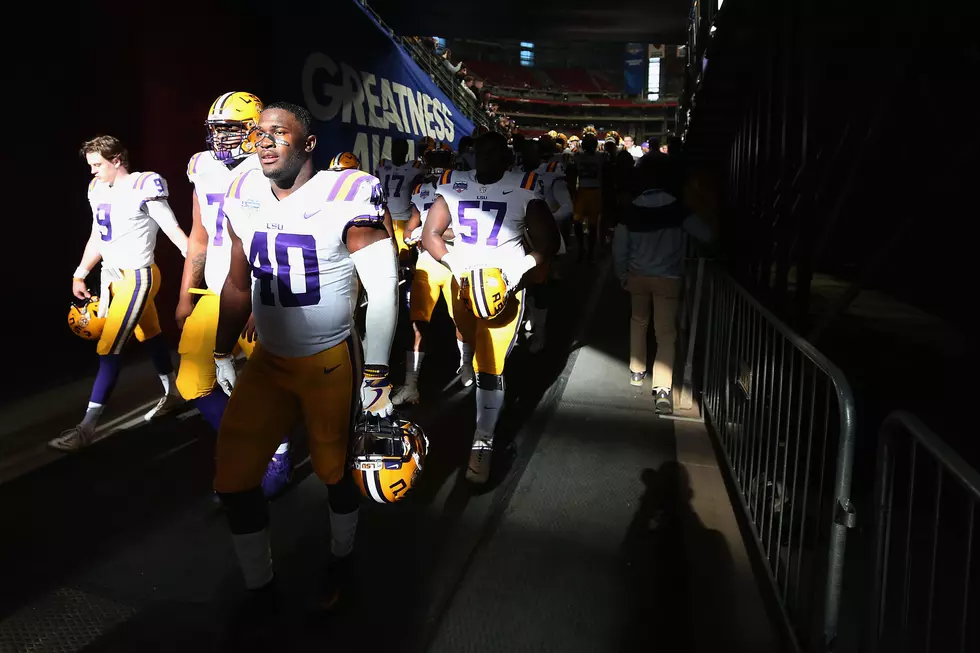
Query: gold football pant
[[196, 376], [492, 340], [131, 311], [431, 279], [588, 205], [271, 395], [398, 226]]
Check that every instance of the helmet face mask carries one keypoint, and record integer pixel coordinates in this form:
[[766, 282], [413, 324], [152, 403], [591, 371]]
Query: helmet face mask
[[389, 454], [438, 161], [229, 141]]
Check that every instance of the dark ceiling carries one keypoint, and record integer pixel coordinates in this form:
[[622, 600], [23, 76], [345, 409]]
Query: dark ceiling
[[643, 21]]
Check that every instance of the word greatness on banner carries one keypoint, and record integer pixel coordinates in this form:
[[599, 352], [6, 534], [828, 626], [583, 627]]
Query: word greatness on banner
[[363, 99]]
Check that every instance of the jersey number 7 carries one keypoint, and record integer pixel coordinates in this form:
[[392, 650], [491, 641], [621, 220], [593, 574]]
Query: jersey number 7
[[485, 209]]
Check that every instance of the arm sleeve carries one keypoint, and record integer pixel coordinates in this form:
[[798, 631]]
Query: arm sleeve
[[378, 271], [564, 199]]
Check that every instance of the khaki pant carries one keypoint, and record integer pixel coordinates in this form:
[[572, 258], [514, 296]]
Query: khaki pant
[[659, 294]]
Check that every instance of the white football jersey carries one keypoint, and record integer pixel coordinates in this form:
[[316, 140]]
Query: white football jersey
[[488, 219], [128, 233], [302, 273], [398, 182], [211, 179], [550, 173], [589, 168]]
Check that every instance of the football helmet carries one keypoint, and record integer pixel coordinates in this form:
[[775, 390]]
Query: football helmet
[[438, 161], [231, 126], [389, 453], [484, 291], [344, 161], [590, 129], [84, 320], [424, 145]]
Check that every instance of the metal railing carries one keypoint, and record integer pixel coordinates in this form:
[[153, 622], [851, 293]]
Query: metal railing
[[784, 419], [926, 501]]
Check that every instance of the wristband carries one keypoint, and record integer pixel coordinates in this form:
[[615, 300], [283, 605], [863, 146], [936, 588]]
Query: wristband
[[80, 273], [218, 355]]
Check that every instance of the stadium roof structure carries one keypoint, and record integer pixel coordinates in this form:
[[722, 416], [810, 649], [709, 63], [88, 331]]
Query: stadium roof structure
[[642, 21]]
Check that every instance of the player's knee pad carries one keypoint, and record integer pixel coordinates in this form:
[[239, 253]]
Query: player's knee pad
[[488, 381], [248, 511], [344, 496]]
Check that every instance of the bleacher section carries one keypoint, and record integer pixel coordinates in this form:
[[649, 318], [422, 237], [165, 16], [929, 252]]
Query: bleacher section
[[553, 80], [498, 74]]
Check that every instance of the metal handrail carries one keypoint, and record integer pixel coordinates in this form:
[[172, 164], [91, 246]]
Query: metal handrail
[[948, 463], [740, 330]]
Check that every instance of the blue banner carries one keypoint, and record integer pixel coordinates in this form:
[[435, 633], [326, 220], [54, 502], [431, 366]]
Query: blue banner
[[635, 68], [366, 90]]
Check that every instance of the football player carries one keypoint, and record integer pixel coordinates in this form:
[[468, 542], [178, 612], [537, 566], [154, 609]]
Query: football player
[[128, 209], [587, 167], [303, 234], [428, 282], [559, 201], [231, 151], [489, 210], [398, 177]]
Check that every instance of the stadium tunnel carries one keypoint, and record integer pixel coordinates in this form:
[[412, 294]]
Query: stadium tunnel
[[609, 528]]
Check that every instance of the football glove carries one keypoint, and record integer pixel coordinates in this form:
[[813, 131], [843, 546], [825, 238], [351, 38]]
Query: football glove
[[376, 391], [224, 366]]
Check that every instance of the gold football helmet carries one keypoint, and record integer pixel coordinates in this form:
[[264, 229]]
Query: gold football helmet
[[389, 453], [590, 129], [231, 125], [84, 320], [484, 291], [344, 161], [438, 161]]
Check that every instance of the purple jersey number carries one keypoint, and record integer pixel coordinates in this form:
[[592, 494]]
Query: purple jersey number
[[473, 224], [102, 217], [263, 272], [159, 184], [219, 223], [399, 180]]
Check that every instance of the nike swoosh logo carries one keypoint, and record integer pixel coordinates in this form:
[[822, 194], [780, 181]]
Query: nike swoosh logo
[[507, 191], [310, 215], [328, 370]]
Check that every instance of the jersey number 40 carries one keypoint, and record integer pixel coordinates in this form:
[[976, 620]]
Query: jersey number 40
[[264, 274]]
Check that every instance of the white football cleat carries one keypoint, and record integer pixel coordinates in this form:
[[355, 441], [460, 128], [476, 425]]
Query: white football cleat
[[166, 404], [466, 375], [74, 438], [407, 394], [478, 470]]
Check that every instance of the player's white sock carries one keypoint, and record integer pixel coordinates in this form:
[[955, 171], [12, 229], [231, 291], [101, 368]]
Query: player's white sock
[[342, 530], [92, 414], [413, 363], [283, 448], [169, 382], [489, 402], [254, 552]]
